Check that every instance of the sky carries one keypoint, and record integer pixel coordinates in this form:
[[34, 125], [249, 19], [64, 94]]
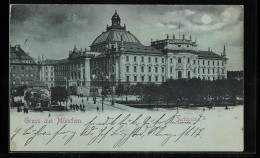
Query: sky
[[54, 30]]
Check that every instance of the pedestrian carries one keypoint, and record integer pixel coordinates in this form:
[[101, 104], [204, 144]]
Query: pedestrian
[[83, 106], [70, 106], [49, 115], [24, 110], [87, 98], [97, 109], [70, 100], [82, 100], [80, 106]]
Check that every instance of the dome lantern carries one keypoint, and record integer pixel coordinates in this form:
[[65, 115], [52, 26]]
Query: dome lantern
[[115, 19]]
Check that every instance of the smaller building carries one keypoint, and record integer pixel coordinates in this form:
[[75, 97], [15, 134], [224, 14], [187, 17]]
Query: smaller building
[[23, 68], [47, 71]]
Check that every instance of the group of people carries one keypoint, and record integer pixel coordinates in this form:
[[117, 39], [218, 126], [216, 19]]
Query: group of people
[[25, 110], [80, 95], [77, 107]]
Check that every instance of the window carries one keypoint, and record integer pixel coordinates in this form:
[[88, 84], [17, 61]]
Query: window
[[142, 59], [188, 60], [46, 73], [156, 60], [150, 78], [13, 82], [127, 68], [179, 60], [134, 68], [198, 62], [194, 71], [31, 75], [46, 79], [213, 62], [127, 78], [46, 68], [162, 78], [134, 59], [135, 78], [51, 79], [22, 67], [162, 69], [188, 74], [213, 71], [51, 68], [179, 74], [51, 73], [142, 78], [222, 71], [127, 58], [194, 61], [149, 59], [203, 71], [149, 69], [208, 71], [208, 62], [52, 85], [162, 60], [198, 70], [142, 69], [203, 62], [156, 69], [179, 45], [156, 78], [171, 60], [222, 63], [171, 69]]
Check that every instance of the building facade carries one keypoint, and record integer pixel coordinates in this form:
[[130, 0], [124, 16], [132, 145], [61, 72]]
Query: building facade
[[124, 59], [116, 55], [24, 71]]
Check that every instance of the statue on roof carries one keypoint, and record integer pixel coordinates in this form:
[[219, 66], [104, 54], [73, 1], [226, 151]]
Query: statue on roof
[[116, 19]]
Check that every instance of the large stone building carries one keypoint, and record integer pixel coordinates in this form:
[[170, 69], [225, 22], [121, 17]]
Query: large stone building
[[23, 68], [116, 55], [125, 59]]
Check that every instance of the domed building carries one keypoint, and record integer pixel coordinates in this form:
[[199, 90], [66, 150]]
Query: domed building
[[114, 34], [117, 55]]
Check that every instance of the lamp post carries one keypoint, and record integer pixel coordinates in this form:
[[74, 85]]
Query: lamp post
[[102, 82]]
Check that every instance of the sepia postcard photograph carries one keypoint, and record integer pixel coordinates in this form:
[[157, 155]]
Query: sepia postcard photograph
[[126, 78]]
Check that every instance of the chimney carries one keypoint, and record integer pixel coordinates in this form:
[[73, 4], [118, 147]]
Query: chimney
[[173, 36], [183, 37]]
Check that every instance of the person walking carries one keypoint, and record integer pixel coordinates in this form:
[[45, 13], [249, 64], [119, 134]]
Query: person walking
[[97, 109]]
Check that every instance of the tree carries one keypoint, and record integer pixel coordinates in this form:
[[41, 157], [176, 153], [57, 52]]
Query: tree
[[150, 93], [120, 90], [59, 94]]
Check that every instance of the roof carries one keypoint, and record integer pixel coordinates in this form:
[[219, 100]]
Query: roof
[[139, 48], [114, 35], [50, 61], [16, 52], [207, 54]]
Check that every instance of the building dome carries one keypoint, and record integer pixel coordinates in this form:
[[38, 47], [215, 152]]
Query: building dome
[[114, 33]]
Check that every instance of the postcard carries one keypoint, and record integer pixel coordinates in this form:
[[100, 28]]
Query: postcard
[[126, 77]]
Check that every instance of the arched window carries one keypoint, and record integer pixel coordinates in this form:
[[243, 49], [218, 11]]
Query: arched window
[[188, 74], [179, 74], [179, 60]]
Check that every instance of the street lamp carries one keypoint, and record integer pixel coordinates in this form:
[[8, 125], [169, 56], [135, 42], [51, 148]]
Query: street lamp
[[102, 92]]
